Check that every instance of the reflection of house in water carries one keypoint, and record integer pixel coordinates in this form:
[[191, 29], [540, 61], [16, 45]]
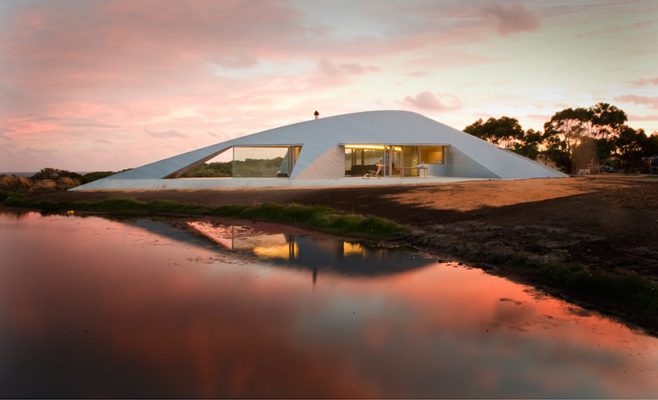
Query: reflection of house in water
[[326, 254]]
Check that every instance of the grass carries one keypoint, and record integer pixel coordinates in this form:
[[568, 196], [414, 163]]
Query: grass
[[628, 295], [322, 218], [626, 290]]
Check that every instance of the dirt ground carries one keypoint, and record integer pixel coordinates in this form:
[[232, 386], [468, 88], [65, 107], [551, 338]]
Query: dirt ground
[[603, 221]]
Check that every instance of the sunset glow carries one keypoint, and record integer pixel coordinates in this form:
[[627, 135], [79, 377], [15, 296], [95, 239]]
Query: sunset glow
[[107, 85]]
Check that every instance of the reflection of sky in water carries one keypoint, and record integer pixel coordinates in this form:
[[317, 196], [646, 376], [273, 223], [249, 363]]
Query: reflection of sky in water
[[92, 307]]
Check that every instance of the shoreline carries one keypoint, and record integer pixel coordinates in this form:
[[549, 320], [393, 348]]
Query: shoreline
[[591, 241]]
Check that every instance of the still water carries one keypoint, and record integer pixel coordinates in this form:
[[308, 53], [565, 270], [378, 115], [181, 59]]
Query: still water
[[95, 307]]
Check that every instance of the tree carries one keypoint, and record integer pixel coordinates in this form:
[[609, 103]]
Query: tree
[[573, 138], [569, 125], [651, 146], [504, 131], [54, 174], [588, 134], [507, 132], [556, 151], [631, 145], [607, 120], [528, 146]]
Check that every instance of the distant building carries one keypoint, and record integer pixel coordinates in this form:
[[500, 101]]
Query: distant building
[[335, 150]]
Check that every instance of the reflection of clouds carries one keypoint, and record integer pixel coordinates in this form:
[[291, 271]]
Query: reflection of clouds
[[152, 317], [91, 314]]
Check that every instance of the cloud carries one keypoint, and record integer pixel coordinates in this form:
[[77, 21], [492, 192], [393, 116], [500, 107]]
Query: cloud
[[635, 99], [539, 117], [332, 69], [106, 141], [511, 19], [93, 68], [237, 61], [649, 117], [170, 133], [429, 101], [645, 82], [90, 124], [416, 74]]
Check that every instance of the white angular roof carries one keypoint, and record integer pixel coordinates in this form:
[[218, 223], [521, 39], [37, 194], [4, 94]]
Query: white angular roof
[[320, 138]]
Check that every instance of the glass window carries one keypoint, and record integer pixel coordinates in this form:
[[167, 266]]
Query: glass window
[[431, 154], [410, 160], [362, 158], [253, 162], [220, 165]]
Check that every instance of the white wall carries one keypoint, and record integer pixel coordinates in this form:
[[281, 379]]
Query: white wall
[[330, 164], [459, 164]]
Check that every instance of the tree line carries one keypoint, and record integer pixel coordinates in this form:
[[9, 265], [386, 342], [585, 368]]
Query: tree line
[[574, 138]]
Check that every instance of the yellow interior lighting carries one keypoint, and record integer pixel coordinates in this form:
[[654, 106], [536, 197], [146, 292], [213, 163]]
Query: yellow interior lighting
[[365, 146], [283, 251], [351, 249]]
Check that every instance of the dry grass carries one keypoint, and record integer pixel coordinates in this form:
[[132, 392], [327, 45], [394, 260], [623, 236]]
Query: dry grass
[[22, 184], [15, 183]]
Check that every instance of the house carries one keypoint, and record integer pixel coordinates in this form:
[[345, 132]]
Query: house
[[341, 150]]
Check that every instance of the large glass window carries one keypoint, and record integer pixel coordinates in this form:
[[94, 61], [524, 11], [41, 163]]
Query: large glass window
[[248, 162], [219, 166], [361, 159], [410, 160], [253, 162], [397, 160]]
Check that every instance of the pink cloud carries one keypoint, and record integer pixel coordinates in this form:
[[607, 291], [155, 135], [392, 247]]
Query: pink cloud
[[645, 82], [417, 74], [511, 19], [636, 99], [332, 69], [650, 117], [357, 69], [82, 73], [429, 101], [169, 133], [538, 117]]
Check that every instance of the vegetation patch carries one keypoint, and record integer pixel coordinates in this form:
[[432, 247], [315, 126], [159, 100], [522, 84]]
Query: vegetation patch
[[626, 294], [250, 167], [322, 218], [626, 290], [594, 139], [48, 180]]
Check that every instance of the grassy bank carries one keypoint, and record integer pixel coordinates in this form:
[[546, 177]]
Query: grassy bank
[[322, 218], [626, 295]]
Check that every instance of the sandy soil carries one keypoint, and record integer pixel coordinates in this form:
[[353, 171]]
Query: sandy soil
[[605, 221]]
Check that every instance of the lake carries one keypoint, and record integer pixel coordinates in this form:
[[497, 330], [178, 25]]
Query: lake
[[96, 307]]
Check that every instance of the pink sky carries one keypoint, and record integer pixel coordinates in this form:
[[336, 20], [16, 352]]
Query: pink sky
[[106, 85]]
